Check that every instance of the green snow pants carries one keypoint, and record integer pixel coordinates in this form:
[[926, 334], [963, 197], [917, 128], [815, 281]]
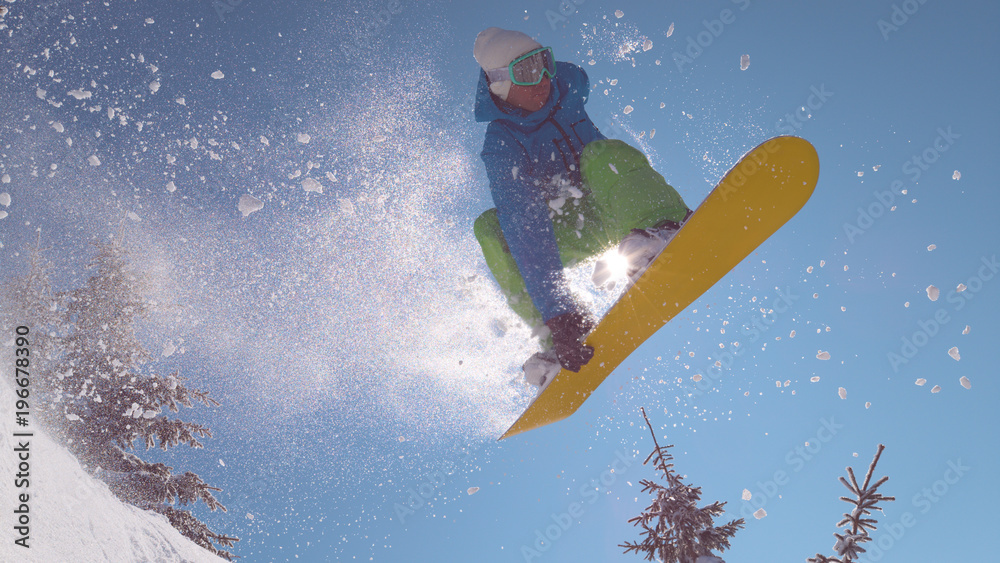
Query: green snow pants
[[621, 192]]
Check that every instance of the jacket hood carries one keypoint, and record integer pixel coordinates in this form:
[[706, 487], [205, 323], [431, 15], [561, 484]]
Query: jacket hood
[[490, 108]]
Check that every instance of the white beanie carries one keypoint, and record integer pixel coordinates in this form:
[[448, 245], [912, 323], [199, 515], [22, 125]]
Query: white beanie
[[496, 48]]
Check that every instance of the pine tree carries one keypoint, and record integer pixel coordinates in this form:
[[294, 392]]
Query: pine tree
[[675, 529], [109, 399], [865, 499]]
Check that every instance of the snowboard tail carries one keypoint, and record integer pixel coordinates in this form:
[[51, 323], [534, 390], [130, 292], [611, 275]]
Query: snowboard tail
[[760, 194]]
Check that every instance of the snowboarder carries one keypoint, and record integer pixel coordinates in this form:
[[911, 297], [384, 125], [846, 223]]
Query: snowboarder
[[563, 193]]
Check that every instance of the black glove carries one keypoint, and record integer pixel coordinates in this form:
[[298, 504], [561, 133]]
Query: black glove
[[567, 331]]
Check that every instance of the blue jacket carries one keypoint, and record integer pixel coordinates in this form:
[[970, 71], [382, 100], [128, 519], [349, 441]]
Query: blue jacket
[[523, 151]]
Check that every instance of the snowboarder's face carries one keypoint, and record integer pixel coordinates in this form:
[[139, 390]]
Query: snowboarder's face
[[530, 98]]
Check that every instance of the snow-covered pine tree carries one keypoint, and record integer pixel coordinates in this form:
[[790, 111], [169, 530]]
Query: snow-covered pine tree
[[856, 532], [675, 529], [109, 399]]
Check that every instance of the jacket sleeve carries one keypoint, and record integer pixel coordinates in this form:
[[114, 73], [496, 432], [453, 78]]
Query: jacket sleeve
[[578, 81], [523, 213]]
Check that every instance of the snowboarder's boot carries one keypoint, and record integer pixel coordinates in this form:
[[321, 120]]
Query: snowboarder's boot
[[638, 249], [541, 368]]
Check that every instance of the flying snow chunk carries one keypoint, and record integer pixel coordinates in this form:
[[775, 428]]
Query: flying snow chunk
[[181, 101], [346, 206], [154, 86], [5, 179], [150, 21], [58, 127], [744, 62], [814, 379], [931, 247], [670, 30], [868, 405], [966, 330], [619, 14], [132, 215], [954, 353], [921, 381], [72, 417], [936, 389], [169, 348], [647, 45], [956, 176], [250, 204], [627, 110], [823, 355], [311, 185], [473, 490], [3, 214], [218, 75], [696, 377], [93, 160], [965, 382], [303, 138], [80, 94], [171, 187], [5, 199], [842, 393], [747, 495], [933, 293], [760, 513], [961, 287], [40, 94]]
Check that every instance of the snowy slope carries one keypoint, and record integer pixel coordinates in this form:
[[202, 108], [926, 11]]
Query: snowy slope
[[73, 516]]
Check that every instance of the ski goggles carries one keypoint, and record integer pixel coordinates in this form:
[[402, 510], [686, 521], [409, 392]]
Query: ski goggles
[[528, 69]]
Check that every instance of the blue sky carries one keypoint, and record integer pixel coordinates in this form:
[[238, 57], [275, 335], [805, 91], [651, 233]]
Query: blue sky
[[360, 349]]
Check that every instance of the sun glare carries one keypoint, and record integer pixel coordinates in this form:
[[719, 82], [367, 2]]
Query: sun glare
[[617, 264]]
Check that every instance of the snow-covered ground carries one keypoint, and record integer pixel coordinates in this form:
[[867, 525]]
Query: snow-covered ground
[[73, 516]]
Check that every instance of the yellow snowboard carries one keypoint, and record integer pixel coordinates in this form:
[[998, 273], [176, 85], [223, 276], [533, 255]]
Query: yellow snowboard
[[759, 195]]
